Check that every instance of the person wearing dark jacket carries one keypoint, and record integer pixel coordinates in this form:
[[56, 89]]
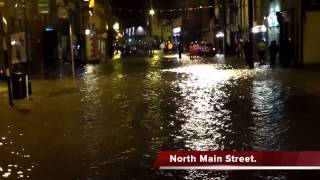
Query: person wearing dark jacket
[[273, 51], [180, 50], [288, 53]]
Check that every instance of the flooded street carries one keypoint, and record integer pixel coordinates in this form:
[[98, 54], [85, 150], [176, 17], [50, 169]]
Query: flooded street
[[113, 120]]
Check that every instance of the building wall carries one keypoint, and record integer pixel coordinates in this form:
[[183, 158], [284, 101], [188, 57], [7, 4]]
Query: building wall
[[155, 26], [311, 37], [196, 24], [2, 66], [245, 15], [99, 21], [28, 16]]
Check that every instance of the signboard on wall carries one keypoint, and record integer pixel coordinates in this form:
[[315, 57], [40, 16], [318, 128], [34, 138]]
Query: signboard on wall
[[43, 6], [19, 48]]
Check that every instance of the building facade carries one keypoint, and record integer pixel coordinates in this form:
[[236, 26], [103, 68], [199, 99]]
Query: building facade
[[197, 25], [52, 29], [310, 32]]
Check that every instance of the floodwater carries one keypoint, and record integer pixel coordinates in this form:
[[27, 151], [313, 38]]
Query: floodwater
[[112, 121]]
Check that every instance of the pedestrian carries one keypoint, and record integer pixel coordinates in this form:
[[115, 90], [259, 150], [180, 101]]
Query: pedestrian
[[273, 51], [191, 50], [227, 49], [288, 53], [111, 50], [166, 48], [180, 49], [151, 47], [247, 47], [262, 51], [162, 47], [202, 50], [239, 48], [197, 49], [117, 48], [170, 46]]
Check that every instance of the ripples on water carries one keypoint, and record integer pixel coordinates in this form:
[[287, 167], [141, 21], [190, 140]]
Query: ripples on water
[[203, 105], [129, 115], [270, 120], [15, 162]]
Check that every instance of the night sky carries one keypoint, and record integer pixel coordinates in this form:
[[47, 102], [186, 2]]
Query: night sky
[[138, 18]]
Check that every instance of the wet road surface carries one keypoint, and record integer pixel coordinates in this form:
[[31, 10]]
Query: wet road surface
[[111, 121]]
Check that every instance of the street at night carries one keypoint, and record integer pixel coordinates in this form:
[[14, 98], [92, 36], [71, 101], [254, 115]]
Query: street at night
[[112, 121], [158, 89]]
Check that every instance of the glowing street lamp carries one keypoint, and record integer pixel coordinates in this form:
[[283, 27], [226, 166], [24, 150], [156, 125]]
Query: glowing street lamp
[[87, 32], [259, 29], [152, 12], [220, 35], [116, 26]]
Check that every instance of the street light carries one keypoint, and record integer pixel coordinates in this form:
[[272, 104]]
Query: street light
[[220, 35], [259, 29], [116, 27], [87, 32], [152, 12]]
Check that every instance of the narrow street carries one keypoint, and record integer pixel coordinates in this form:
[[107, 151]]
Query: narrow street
[[112, 121]]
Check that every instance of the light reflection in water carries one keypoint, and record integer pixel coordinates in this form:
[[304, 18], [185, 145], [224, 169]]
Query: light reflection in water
[[91, 118], [17, 163], [203, 106], [206, 117], [270, 121]]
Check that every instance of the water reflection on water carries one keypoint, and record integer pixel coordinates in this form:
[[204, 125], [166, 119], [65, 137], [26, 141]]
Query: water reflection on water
[[130, 113], [127, 113], [270, 120], [15, 159], [203, 105], [203, 110]]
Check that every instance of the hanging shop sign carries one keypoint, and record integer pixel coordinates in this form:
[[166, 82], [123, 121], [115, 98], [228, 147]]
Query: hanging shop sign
[[19, 49]]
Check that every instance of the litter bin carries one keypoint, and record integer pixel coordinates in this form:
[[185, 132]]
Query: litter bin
[[19, 86]]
